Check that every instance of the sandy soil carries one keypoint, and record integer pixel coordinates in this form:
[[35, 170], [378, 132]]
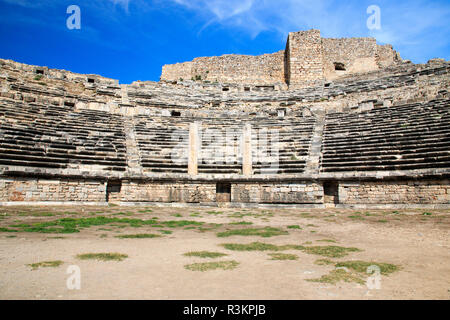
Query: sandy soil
[[155, 269]]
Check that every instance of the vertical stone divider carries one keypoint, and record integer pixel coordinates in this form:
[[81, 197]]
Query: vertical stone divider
[[124, 94], [133, 154], [247, 160], [315, 149], [194, 146]]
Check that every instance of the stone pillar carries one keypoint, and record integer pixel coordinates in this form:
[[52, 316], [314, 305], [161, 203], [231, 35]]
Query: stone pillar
[[247, 169], [194, 144]]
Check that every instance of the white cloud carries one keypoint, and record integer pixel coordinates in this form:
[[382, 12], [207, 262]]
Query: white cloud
[[124, 3], [405, 23]]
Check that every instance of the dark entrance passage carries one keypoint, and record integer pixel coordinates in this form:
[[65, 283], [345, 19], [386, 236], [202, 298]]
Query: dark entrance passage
[[223, 192], [331, 192]]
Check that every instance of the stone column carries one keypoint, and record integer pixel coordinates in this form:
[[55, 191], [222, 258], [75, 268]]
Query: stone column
[[193, 149], [247, 169]]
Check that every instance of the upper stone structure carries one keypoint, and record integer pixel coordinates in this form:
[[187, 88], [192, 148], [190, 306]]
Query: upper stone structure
[[308, 60]]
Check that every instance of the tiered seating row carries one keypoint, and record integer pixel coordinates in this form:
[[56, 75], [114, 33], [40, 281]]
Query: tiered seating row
[[46, 136], [414, 136]]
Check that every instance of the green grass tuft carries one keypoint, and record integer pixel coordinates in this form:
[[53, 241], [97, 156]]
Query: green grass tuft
[[205, 254], [330, 251], [46, 264], [214, 212], [324, 262], [361, 266], [139, 236], [259, 246], [338, 275], [73, 225], [294, 227], [224, 265], [102, 256], [165, 231], [7, 230], [283, 256], [241, 223], [262, 232]]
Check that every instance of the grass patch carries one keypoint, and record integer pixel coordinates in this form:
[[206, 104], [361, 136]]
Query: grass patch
[[224, 265], [214, 212], [262, 232], [330, 251], [9, 237], [36, 214], [327, 240], [382, 221], [356, 217], [351, 271], [361, 266], [324, 262], [139, 236], [102, 256], [165, 231], [205, 254], [259, 246], [73, 225], [283, 256], [145, 211], [294, 227], [177, 215], [427, 214], [46, 264], [181, 223], [7, 230], [122, 214], [243, 223], [338, 275]]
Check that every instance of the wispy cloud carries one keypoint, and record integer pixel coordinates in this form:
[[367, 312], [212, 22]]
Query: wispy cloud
[[419, 29], [404, 23]]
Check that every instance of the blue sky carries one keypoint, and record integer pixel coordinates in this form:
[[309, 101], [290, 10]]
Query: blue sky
[[132, 39]]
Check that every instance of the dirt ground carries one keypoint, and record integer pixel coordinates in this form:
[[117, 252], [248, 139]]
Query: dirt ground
[[417, 241]]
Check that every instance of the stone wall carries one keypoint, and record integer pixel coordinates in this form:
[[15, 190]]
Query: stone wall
[[24, 189], [355, 54], [289, 193], [308, 60], [263, 69], [395, 192], [165, 192], [305, 192]]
